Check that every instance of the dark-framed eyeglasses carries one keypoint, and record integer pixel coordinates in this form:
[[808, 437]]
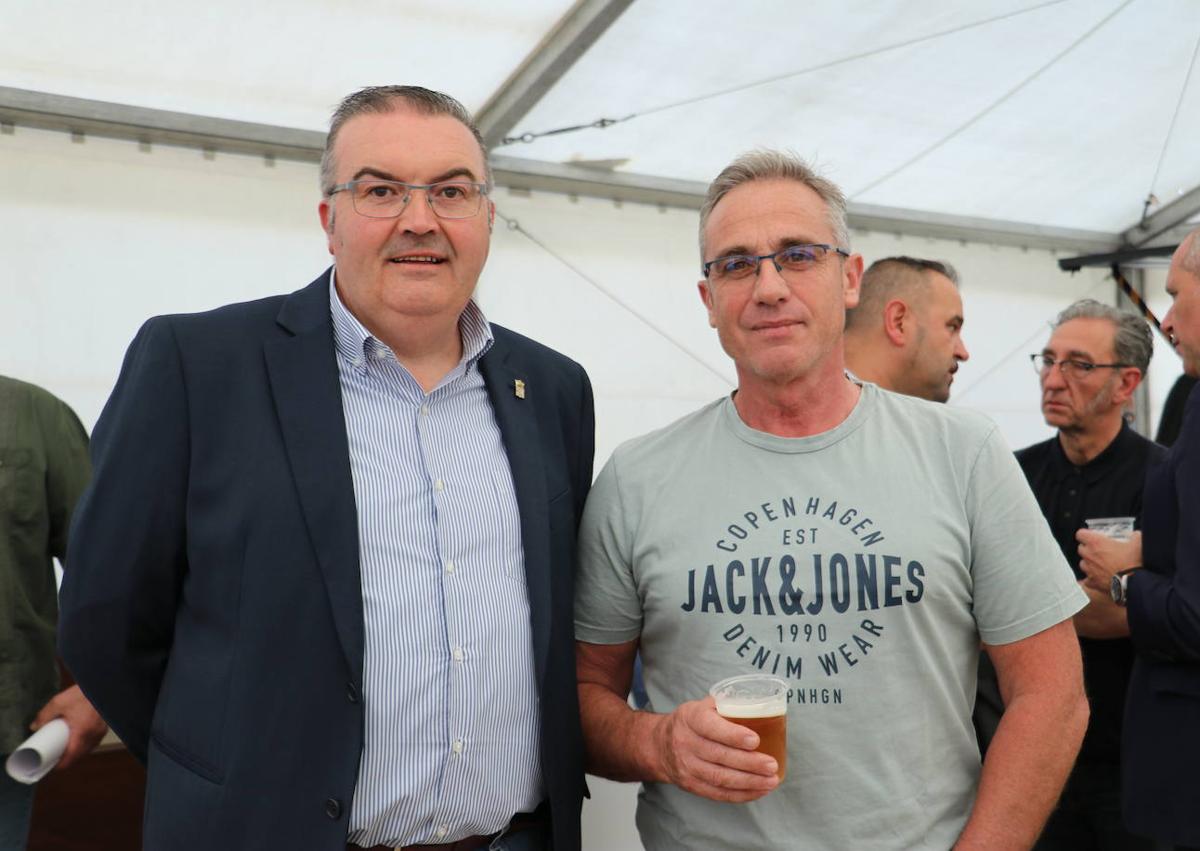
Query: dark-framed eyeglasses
[[1069, 367], [386, 199], [790, 262]]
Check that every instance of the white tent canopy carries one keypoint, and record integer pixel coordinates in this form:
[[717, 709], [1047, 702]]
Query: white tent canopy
[[1057, 116], [1003, 134]]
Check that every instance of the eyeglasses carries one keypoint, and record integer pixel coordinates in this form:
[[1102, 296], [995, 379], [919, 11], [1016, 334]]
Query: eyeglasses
[[789, 263], [386, 199], [1070, 368]]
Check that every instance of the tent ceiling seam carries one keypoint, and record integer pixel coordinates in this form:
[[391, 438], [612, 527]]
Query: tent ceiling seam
[[58, 113], [604, 123], [975, 119], [558, 52], [1150, 198]]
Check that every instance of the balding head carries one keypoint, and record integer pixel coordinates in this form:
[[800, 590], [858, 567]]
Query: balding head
[[1182, 322], [904, 335], [1190, 259], [906, 278]]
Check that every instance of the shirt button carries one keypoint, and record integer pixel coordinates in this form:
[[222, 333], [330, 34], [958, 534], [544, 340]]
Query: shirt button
[[424, 410], [457, 653], [442, 830], [457, 746], [449, 567], [438, 486], [333, 808]]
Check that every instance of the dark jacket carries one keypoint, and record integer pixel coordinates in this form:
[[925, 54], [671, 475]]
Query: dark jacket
[[1161, 746], [213, 612]]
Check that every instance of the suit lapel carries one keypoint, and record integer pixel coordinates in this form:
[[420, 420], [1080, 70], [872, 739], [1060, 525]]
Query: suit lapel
[[307, 392], [517, 418]]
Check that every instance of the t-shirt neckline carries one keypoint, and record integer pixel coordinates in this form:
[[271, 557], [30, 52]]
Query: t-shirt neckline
[[859, 414]]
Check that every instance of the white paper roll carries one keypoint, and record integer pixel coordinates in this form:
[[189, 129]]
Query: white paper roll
[[35, 756]]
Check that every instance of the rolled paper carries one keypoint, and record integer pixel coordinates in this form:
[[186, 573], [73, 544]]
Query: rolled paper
[[35, 756]]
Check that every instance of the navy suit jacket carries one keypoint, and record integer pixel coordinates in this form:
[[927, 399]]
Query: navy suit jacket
[[1161, 747], [213, 609]]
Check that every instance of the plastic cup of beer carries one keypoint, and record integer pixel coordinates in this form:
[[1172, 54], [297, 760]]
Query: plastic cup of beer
[[760, 703], [1118, 528]]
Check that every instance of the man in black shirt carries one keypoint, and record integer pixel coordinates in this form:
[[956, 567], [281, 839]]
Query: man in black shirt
[[1094, 467]]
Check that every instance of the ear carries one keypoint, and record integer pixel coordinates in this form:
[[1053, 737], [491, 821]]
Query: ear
[[491, 208], [706, 298], [325, 213], [1128, 380], [897, 322], [852, 272]]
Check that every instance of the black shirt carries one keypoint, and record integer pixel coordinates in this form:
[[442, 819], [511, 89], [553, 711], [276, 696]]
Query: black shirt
[[1110, 485]]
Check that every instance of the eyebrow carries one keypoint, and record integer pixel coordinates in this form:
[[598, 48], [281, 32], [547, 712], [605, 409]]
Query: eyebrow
[[1073, 354], [380, 174], [786, 242]]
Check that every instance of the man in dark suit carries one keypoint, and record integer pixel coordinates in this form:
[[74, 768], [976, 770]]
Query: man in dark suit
[[322, 581], [1161, 747]]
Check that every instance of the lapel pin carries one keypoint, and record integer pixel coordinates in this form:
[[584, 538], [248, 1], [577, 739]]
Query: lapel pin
[[519, 388]]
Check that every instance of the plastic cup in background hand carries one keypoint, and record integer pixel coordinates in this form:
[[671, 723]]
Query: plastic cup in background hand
[[759, 703], [1118, 528]]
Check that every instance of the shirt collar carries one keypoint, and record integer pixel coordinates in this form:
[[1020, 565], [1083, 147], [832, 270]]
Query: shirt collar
[[355, 343], [1100, 465]]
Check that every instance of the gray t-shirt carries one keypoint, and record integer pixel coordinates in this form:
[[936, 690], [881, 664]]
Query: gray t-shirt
[[863, 565]]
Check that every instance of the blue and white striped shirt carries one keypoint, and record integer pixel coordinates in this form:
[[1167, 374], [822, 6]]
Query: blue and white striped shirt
[[449, 692]]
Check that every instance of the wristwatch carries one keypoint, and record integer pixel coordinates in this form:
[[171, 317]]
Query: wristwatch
[[1119, 586]]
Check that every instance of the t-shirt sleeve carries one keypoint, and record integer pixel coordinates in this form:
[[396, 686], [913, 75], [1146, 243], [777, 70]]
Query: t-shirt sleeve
[[1021, 582], [608, 609]]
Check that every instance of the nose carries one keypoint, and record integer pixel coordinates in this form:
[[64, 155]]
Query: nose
[[960, 350], [1052, 378], [769, 285], [417, 215], [1168, 323]]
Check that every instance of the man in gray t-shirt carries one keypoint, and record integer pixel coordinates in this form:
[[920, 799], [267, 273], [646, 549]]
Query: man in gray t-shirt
[[857, 543]]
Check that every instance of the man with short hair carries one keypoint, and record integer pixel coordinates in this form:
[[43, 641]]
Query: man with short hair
[[322, 580], [856, 543], [1157, 579], [1094, 467], [905, 334]]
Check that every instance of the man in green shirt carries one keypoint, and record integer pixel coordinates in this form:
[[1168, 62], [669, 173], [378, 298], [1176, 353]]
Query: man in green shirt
[[43, 468]]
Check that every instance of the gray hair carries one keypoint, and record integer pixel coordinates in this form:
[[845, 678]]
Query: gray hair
[[1133, 343], [380, 100], [765, 164], [892, 276]]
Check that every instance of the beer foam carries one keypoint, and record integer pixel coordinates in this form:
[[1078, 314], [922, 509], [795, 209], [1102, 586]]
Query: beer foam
[[758, 709]]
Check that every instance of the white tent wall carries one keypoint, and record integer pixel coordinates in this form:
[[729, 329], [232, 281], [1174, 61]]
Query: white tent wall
[[98, 235], [102, 234]]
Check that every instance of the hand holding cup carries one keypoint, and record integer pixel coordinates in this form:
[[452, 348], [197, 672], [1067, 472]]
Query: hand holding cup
[[1108, 546], [708, 755]]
